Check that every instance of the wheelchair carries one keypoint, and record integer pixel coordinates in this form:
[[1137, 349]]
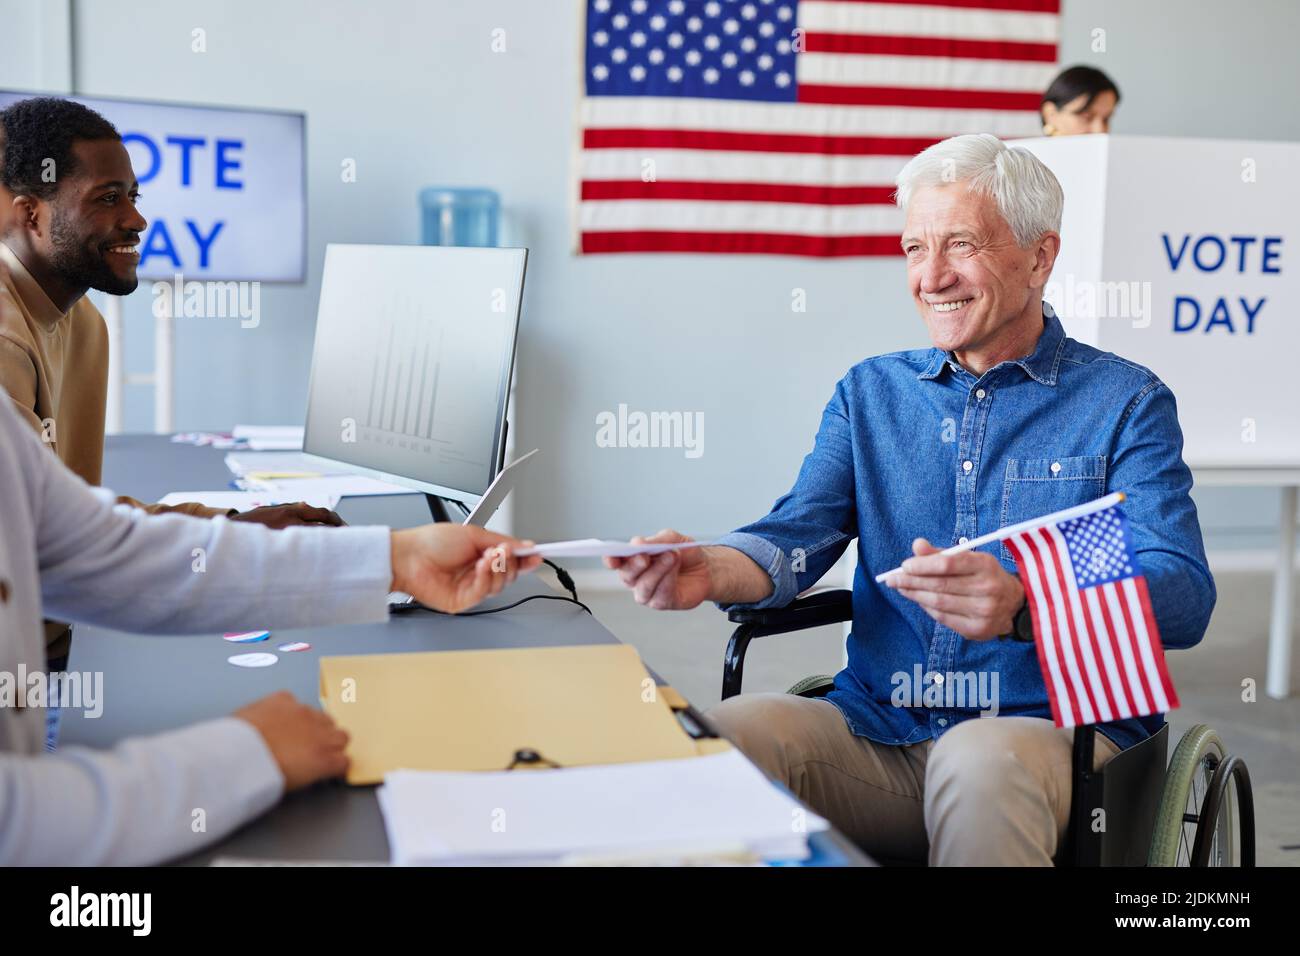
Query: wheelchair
[[1198, 810]]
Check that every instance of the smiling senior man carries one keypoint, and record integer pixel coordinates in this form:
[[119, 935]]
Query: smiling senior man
[[1003, 420]]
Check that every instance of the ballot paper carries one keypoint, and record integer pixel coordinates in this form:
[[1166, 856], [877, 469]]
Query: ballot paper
[[596, 548], [246, 500], [710, 804]]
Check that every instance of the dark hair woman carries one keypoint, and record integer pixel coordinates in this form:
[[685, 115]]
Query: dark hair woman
[[1080, 100]]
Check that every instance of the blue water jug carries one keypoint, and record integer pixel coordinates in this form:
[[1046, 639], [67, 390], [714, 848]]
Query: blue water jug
[[459, 216]]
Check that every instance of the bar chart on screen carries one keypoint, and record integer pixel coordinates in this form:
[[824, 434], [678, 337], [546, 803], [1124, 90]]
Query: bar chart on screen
[[402, 404], [411, 394]]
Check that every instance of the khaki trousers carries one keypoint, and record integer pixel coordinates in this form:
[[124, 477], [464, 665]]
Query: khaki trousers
[[994, 791]]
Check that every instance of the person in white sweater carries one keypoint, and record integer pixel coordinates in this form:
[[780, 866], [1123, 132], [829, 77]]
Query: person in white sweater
[[67, 551]]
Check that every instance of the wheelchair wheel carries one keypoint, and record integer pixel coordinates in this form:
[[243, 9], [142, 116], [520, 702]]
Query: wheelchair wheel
[[818, 685], [1179, 819]]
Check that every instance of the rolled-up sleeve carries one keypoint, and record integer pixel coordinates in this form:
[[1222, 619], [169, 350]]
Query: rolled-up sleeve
[[809, 527]]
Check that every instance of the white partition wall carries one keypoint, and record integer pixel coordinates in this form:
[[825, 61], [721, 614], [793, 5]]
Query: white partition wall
[[1180, 254]]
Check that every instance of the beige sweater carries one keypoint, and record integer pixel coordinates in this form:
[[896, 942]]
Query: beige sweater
[[55, 367]]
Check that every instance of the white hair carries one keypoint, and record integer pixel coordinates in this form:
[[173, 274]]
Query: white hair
[[1025, 190]]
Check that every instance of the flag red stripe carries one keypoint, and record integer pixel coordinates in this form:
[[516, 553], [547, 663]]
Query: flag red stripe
[[1022, 6], [882, 45], [755, 142], [1071, 630], [761, 243], [738, 192], [1043, 665], [1157, 648], [1057, 633], [918, 96], [1108, 629], [1136, 640]]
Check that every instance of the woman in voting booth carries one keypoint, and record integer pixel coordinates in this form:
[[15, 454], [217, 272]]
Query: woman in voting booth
[[1081, 99]]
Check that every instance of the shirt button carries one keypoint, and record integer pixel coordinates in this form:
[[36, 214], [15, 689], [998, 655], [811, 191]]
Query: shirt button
[[979, 393], [4, 591], [962, 540], [938, 678], [968, 465], [942, 721], [1056, 467]]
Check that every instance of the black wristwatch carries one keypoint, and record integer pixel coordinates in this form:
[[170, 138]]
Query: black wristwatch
[[1022, 625]]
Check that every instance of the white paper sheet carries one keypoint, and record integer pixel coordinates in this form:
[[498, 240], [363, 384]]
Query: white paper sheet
[[596, 548], [714, 803]]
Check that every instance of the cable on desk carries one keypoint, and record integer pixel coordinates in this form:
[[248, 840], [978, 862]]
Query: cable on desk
[[565, 581], [417, 606]]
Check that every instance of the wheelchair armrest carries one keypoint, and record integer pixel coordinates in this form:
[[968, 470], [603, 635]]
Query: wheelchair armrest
[[815, 610]]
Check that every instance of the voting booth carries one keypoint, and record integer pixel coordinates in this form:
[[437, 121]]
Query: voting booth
[[1179, 254], [1174, 253]]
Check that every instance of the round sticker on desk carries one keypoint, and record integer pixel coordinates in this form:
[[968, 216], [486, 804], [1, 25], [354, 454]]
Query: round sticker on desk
[[294, 646], [253, 660], [246, 637]]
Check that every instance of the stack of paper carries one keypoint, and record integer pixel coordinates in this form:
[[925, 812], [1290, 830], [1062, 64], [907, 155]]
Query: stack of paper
[[719, 804], [264, 464], [341, 486], [270, 437], [294, 476]]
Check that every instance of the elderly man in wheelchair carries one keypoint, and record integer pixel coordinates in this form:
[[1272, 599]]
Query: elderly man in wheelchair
[[1003, 419]]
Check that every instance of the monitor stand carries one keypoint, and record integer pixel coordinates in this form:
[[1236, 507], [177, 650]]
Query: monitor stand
[[446, 509]]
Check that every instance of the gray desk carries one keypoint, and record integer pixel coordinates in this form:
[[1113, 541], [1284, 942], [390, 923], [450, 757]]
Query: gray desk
[[152, 683]]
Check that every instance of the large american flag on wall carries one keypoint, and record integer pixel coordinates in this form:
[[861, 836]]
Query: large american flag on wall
[[778, 126]]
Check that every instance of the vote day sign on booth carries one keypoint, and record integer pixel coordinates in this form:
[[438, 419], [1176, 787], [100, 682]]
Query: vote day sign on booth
[[1179, 254], [224, 190]]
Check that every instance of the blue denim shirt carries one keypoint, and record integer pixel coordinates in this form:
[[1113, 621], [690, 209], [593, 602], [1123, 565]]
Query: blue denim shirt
[[913, 445]]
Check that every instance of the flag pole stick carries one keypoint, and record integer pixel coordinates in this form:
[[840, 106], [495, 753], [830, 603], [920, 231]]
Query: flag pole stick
[[1078, 511]]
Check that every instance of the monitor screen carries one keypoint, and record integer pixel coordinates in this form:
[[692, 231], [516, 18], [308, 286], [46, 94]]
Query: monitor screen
[[224, 190], [410, 374]]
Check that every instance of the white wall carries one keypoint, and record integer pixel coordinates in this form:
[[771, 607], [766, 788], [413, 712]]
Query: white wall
[[37, 53], [411, 90]]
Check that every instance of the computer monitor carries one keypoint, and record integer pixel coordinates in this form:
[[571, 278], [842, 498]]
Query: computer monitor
[[410, 374]]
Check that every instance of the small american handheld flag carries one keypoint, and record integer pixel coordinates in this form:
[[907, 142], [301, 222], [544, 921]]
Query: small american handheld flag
[[1097, 640], [778, 126]]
